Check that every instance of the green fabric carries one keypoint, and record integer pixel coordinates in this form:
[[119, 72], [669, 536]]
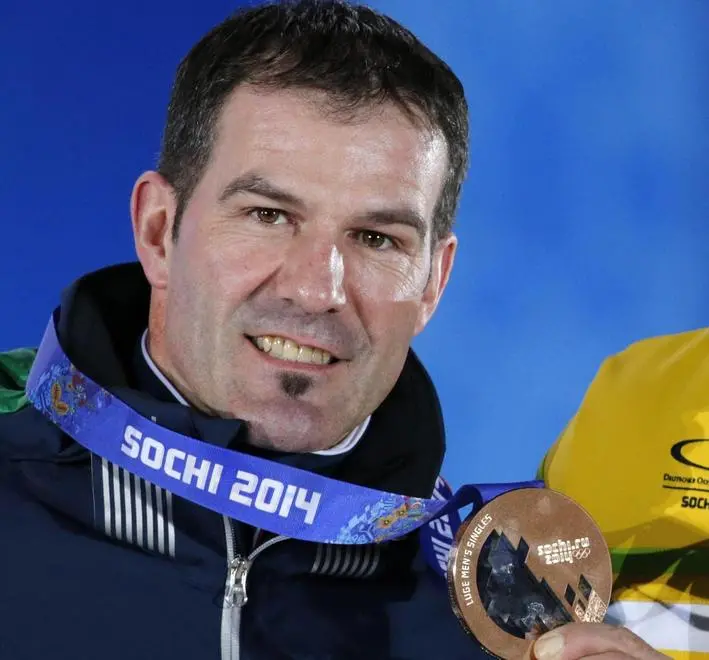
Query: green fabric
[[650, 563], [14, 369]]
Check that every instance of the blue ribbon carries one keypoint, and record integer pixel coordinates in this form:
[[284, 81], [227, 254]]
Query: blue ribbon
[[265, 494]]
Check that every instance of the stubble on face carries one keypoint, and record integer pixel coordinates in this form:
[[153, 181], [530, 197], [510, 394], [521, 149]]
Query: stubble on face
[[235, 279]]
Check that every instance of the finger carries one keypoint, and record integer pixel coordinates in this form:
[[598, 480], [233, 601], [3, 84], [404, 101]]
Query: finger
[[582, 640]]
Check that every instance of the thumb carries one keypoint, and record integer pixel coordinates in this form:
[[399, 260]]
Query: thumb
[[582, 640]]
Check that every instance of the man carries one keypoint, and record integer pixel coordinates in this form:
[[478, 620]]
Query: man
[[643, 432], [296, 236]]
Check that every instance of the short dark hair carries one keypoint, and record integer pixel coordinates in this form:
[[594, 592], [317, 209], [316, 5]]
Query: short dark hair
[[354, 54]]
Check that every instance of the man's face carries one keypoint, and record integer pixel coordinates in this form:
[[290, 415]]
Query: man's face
[[303, 266]]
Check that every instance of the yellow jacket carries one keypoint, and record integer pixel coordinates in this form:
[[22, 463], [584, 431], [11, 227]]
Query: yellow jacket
[[636, 456]]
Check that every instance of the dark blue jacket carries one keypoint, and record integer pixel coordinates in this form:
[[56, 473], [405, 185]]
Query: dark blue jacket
[[98, 564]]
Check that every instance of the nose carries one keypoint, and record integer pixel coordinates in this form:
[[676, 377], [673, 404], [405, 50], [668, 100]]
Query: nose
[[313, 275]]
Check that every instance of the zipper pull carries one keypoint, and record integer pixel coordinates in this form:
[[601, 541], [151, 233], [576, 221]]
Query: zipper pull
[[235, 594]]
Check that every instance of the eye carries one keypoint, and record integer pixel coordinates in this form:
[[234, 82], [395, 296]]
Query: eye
[[269, 216], [374, 239]]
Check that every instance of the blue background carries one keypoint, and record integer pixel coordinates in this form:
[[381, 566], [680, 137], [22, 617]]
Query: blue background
[[584, 220]]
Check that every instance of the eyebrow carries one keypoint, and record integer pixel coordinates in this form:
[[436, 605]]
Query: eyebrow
[[256, 184]]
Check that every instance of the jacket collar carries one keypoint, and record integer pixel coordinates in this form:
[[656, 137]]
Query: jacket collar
[[101, 321]]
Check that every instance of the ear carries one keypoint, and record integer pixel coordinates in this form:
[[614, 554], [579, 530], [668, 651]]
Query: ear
[[152, 209], [441, 266]]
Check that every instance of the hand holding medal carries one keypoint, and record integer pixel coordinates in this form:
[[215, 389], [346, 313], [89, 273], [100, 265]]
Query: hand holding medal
[[531, 564], [528, 562]]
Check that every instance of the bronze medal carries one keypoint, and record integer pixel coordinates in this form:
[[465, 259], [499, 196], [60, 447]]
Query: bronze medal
[[528, 561]]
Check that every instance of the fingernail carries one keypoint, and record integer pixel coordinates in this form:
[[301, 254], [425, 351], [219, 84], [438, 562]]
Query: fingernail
[[549, 646]]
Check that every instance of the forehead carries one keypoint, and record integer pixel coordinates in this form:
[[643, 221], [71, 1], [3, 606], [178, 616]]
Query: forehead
[[378, 154]]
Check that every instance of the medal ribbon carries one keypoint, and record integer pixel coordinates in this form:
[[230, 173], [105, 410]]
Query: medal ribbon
[[281, 499]]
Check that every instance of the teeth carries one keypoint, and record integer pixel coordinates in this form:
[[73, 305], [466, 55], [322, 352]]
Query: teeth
[[286, 349], [290, 350], [276, 347]]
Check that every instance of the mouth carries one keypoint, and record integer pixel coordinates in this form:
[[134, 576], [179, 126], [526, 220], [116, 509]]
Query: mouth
[[287, 350]]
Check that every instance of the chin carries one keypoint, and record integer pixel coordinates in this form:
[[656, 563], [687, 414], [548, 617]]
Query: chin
[[296, 434]]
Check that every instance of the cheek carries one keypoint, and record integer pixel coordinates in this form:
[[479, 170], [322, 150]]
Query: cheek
[[397, 282], [197, 284], [388, 299], [234, 266]]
